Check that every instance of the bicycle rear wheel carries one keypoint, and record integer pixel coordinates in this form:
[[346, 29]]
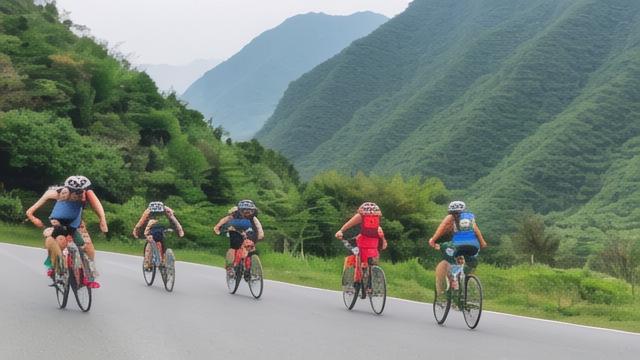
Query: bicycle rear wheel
[[378, 295], [255, 280], [169, 273], [150, 273], [349, 288], [472, 304], [81, 292], [442, 303], [61, 283]]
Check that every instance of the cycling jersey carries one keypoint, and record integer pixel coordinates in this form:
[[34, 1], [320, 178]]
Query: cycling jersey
[[464, 231], [68, 212]]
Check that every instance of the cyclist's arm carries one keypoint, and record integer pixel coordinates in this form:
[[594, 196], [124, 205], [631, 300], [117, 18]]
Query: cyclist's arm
[[444, 227], [172, 217], [140, 224], [96, 205], [382, 237], [48, 195], [355, 220], [476, 229], [259, 229], [222, 221]]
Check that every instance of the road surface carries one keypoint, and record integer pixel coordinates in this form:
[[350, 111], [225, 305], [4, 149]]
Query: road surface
[[200, 320]]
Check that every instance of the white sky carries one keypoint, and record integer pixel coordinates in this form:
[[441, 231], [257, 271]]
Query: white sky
[[179, 31]]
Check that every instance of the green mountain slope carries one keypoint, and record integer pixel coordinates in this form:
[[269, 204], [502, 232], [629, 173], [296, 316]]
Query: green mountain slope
[[517, 104], [241, 93]]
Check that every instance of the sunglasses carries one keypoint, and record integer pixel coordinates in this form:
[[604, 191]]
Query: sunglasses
[[76, 191]]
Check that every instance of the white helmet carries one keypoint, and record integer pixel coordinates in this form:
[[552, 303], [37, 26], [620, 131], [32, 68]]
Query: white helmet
[[77, 182], [156, 206], [457, 207]]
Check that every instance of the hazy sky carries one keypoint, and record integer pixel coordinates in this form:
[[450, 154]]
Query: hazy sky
[[179, 31]]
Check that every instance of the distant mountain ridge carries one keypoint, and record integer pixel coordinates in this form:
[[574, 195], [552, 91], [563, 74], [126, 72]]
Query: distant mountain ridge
[[516, 104], [178, 77], [242, 92]]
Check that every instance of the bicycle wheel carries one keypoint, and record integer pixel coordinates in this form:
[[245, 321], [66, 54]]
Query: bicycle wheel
[[150, 273], [81, 292], [349, 288], [255, 280], [169, 273], [378, 294], [472, 305], [233, 279], [442, 304], [61, 283]]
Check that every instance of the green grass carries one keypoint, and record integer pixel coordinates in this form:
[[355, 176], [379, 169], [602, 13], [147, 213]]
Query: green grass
[[574, 296]]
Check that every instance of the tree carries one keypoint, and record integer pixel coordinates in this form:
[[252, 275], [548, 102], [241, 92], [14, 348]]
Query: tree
[[533, 239], [620, 257]]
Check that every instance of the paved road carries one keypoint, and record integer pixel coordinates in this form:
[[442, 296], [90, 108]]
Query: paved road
[[200, 320]]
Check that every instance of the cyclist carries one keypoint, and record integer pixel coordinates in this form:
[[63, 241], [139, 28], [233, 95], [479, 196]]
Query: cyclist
[[244, 226], [154, 230], [466, 241], [66, 220], [368, 217]]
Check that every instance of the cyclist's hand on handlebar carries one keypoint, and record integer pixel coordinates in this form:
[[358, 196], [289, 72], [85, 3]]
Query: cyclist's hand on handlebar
[[432, 243], [216, 230], [384, 244], [339, 235]]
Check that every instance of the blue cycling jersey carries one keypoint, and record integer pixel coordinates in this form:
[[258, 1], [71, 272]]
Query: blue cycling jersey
[[464, 232], [68, 212]]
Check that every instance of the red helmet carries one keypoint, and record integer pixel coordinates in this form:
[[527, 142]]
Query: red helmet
[[369, 208]]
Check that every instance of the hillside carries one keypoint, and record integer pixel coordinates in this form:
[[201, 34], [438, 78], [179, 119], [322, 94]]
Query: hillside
[[241, 93], [515, 104]]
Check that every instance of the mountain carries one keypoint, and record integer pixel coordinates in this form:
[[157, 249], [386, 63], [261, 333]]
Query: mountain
[[514, 104], [178, 77], [241, 93]]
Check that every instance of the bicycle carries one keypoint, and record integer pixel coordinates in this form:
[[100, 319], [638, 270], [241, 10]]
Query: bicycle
[[467, 298], [247, 265], [72, 270], [166, 267], [371, 282]]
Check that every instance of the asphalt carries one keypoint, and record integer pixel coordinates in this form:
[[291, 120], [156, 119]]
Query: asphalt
[[200, 320]]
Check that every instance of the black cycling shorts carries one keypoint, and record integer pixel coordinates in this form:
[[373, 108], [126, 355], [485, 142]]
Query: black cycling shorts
[[235, 240]]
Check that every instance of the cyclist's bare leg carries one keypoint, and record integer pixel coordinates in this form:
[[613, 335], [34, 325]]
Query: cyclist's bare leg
[[89, 249], [147, 257], [53, 246], [442, 271], [230, 257], [160, 251]]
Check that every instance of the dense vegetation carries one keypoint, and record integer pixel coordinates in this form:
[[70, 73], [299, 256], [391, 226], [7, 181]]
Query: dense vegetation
[[241, 93], [516, 104], [67, 106]]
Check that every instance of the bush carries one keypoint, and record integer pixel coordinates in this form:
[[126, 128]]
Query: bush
[[603, 291], [11, 209]]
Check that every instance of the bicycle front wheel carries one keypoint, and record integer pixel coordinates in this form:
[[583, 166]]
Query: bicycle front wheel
[[349, 288], [255, 279], [442, 303], [149, 273], [81, 292], [233, 278], [472, 305], [378, 294], [61, 283], [169, 273]]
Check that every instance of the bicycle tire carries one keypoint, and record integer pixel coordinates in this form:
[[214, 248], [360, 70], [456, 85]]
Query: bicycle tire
[[378, 294], [442, 304], [234, 281], [349, 288], [149, 275], [61, 283], [169, 277], [82, 293], [472, 310], [256, 281]]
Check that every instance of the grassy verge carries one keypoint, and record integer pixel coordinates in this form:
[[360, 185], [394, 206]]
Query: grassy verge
[[575, 296]]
